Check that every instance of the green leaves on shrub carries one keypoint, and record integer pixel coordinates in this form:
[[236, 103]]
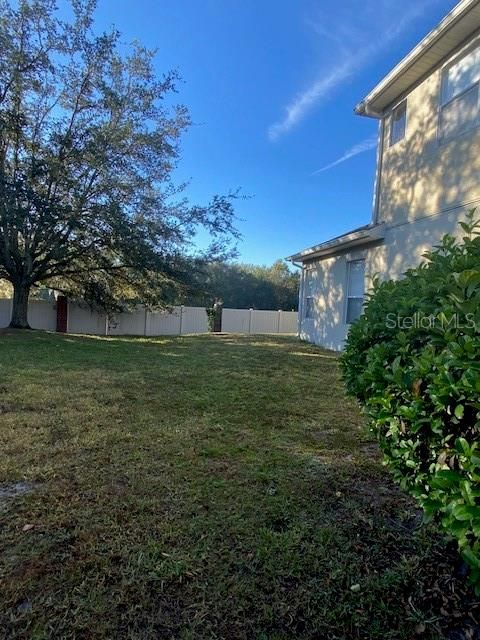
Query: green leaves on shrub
[[413, 361]]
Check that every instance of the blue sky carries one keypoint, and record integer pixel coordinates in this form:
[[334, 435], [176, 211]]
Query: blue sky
[[271, 86]]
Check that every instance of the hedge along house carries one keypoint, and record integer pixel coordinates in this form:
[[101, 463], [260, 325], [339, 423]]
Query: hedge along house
[[427, 176]]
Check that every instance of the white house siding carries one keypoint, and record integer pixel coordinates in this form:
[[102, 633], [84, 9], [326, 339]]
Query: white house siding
[[325, 282], [406, 243], [402, 248], [422, 174], [426, 184]]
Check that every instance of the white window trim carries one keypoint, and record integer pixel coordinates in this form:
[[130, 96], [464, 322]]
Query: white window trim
[[453, 136], [456, 57], [310, 269], [347, 289], [356, 254], [305, 316]]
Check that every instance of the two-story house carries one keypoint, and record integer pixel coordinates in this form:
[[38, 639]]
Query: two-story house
[[427, 177]]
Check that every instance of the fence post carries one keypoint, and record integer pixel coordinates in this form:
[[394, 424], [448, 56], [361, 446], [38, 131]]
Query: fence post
[[278, 320], [181, 319], [145, 322], [250, 321]]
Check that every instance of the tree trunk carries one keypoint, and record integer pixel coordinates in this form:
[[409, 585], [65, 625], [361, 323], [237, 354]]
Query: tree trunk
[[19, 319]]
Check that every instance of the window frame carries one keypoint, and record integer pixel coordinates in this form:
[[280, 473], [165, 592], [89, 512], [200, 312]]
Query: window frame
[[348, 297], [403, 104], [308, 297], [441, 137], [309, 308]]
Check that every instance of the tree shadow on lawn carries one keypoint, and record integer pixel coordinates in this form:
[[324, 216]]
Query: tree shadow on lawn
[[231, 548], [229, 494]]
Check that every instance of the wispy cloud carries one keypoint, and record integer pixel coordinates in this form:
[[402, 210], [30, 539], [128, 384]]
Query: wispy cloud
[[361, 147], [297, 110], [363, 45]]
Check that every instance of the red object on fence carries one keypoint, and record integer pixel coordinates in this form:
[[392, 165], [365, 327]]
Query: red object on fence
[[62, 314]]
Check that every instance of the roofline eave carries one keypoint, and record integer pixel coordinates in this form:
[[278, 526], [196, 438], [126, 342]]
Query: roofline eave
[[373, 105], [346, 241]]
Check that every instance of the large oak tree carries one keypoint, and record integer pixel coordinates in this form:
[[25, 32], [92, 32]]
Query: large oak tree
[[88, 143]]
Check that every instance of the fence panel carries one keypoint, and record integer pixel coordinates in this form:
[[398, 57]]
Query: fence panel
[[259, 321], [186, 320], [164, 323], [264, 321], [288, 322], [5, 313], [81, 319], [128, 323], [42, 315], [236, 321], [194, 320]]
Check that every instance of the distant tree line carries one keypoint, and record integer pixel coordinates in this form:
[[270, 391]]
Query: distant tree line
[[235, 285], [245, 286]]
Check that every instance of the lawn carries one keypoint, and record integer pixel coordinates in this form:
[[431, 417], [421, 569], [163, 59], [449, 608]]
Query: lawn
[[202, 488]]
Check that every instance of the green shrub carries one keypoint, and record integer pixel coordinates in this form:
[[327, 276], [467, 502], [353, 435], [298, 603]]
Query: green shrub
[[214, 317], [413, 361]]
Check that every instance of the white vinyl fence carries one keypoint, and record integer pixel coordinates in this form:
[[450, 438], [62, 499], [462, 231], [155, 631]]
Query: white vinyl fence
[[140, 322], [81, 319], [41, 314], [178, 321], [255, 321]]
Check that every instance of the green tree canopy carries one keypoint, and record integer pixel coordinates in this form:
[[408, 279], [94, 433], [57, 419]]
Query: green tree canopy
[[245, 286], [87, 149], [5, 289]]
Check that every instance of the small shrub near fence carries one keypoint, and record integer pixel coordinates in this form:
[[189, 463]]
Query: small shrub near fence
[[413, 360]]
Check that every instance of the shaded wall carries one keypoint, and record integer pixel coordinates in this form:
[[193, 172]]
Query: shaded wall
[[403, 247]]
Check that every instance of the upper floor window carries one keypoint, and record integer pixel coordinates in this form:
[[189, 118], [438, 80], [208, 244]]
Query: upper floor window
[[355, 289], [398, 123], [459, 102]]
